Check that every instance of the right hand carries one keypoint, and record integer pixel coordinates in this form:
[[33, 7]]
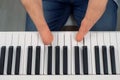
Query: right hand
[[35, 10], [46, 36]]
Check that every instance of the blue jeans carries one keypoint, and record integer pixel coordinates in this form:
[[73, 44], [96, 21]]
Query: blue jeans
[[56, 13]]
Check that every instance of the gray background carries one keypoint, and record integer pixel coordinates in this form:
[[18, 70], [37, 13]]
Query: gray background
[[12, 16]]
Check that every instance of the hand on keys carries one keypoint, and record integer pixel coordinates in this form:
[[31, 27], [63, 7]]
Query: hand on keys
[[46, 36]]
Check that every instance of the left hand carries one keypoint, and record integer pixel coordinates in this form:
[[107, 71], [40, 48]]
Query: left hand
[[94, 11]]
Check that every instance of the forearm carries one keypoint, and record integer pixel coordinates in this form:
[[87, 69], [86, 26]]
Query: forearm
[[94, 11], [35, 10]]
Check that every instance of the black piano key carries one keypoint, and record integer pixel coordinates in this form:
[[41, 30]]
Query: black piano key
[[29, 60], [2, 59], [49, 67], [57, 60], [85, 60], [37, 62], [65, 62], [97, 60], [105, 61], [10, 58], [77, 62], [112, 57], [17, 63]]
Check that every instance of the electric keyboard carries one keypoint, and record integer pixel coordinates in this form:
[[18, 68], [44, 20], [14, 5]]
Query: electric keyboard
[[23, 56]]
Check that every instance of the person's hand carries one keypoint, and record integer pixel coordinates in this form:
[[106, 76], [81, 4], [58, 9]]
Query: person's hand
[[95, 10], [46, 36], [35, 10]]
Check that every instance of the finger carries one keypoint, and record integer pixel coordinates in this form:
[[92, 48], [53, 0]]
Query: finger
[[80, 35], [86, 25], [82, 32], [46, 37]]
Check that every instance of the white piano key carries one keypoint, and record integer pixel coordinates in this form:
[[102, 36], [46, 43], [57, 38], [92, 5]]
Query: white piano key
[[100, 43], [40, 43], [93, 43], [54, 43], [74, 43], [113, 42], [118, 48], [68, 44], [8, 42], [28, 38], [80, 44], [15, 44], [62, 77], [61, 44], [87, 43], [2, 38], [34, 44], [45, 60], [107, 44], [22, 44]]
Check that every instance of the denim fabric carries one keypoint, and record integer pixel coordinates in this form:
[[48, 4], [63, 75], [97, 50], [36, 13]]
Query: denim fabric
[[56, 13], [117, 2]]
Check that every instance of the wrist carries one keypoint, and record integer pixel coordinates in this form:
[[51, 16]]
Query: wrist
[[86, 25], [42, 27], [88, 22]]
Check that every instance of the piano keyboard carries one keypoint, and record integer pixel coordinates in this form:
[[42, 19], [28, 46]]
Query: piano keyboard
[[23, 54]]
